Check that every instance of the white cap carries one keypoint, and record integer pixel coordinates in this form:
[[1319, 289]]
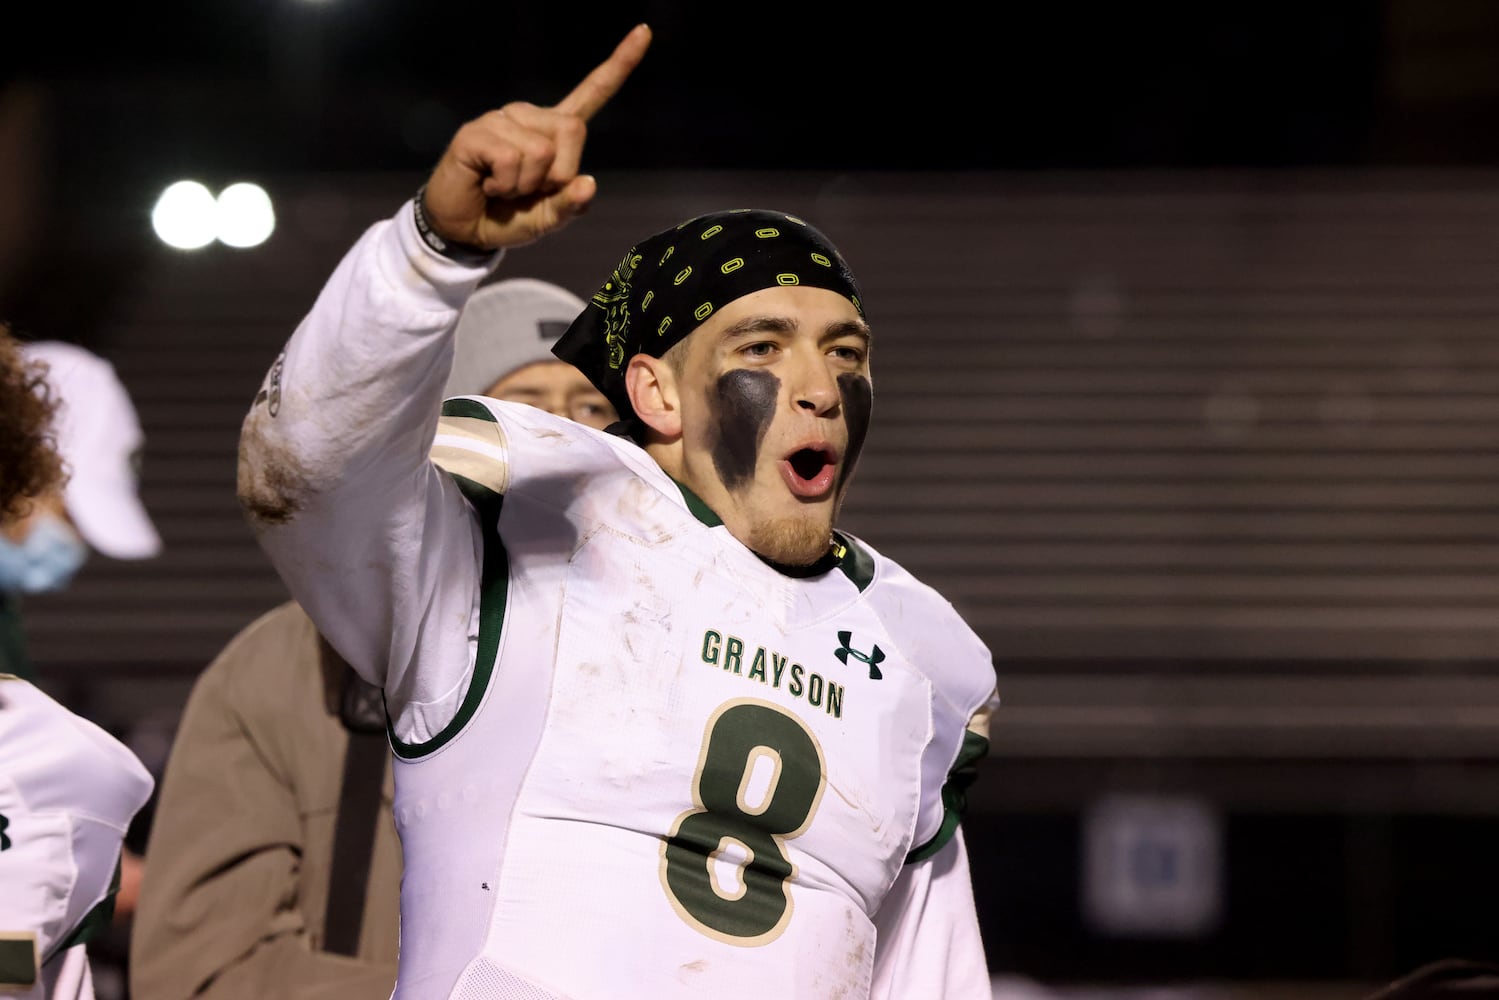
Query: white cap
[[507, 325], [100, 439]]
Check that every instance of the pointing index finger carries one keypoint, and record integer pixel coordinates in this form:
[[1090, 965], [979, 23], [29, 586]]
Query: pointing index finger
[[608, 76]]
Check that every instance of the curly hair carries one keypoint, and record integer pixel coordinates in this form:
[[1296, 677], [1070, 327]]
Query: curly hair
[[29, 462]]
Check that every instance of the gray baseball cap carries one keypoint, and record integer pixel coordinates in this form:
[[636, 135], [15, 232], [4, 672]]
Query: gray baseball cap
[[507, 325]]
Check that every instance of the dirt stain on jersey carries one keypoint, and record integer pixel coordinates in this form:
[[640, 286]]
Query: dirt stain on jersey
[[273, 486], [856, 802], [856, 957], [642, 504], [632, 623]]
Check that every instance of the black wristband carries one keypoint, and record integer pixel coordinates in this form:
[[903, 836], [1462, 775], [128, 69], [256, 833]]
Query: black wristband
[[461, 253]]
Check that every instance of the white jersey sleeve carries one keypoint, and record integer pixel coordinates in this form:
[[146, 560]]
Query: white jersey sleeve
[[68, 791], [928, 945], [372, 539]]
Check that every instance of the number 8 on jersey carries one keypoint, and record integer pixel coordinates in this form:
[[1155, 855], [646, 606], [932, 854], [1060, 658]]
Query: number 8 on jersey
[[759, 778]]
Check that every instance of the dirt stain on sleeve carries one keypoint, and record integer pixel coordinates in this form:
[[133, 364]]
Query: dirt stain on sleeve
[[273, 486]]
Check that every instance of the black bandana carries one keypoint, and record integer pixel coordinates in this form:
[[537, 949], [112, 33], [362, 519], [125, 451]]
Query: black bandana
[[670, 283]]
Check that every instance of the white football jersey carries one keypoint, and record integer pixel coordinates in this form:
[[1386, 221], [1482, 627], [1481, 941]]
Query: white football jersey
[[674, 766], [633, 760], [68, 791]]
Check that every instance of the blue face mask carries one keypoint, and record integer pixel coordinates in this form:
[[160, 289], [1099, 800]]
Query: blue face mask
[[46, 559]]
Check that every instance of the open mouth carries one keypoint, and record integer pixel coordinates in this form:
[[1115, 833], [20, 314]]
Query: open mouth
[[809, 471]]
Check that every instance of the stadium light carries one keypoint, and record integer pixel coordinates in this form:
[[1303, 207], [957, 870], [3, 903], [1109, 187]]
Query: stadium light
[[188, 216], [245, 215], [184, 216]]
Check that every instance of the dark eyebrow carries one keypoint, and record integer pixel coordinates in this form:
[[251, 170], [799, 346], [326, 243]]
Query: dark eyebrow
[[759, 324], [770, 323], [848, 328]]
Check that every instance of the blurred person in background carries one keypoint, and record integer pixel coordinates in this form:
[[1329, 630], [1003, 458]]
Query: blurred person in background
[[274, 863], [98, 509], [29, 464], [99, 439], [68, 790]]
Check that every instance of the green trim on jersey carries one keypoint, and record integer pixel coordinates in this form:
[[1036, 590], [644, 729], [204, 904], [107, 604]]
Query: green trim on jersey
[[94, 921], [954, 794], [854, 561], [856, 564], [494, 585], [699, 510], [467, 408]]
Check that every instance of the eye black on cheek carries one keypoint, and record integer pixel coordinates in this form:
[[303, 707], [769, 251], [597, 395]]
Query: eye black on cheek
[[858, 403], [743, 402]]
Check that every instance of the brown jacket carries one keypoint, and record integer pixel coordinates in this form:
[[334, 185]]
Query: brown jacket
[[237, 867]]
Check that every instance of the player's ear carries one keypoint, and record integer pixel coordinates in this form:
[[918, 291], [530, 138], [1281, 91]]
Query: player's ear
[[652, 386]]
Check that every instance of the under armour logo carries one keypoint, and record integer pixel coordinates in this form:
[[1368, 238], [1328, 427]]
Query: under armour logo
[[871, 658], [4, 840]]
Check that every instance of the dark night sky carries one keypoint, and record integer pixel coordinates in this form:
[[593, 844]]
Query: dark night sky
[[139, 95], [381, 83]]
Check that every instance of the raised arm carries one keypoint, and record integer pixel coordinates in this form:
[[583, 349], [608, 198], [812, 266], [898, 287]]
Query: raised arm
[[376, 544], [512, 176]]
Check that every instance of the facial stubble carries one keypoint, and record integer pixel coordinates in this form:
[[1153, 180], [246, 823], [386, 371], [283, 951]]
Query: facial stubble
[[743, 405]]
